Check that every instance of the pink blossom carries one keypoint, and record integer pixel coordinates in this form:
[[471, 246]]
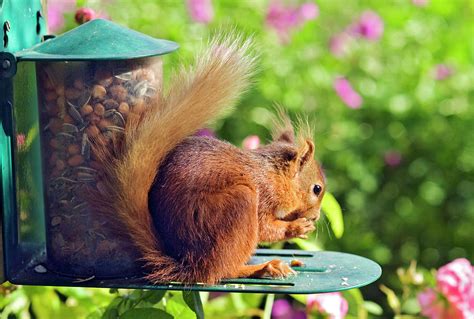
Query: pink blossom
[[455, 281], [332, 304], [84, 15], [369, 26], [282, 309], [347, 94], [201, 11], [206, 132], [443, 71], [20, 140], [309, 11], [251, 142], [56, 10], [284, 18], [338, 44], [392, 158], [434, 307], [419, 3], [299, 314], [430, 306]]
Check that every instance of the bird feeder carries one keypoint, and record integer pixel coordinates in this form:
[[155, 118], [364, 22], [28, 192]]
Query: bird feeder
[[55, 96]]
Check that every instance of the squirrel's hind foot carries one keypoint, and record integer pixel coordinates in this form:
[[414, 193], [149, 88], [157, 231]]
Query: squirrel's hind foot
[[271, 269], [276, 269]]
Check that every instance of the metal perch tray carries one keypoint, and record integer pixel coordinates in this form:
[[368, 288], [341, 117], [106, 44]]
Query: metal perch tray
[[322, 271]]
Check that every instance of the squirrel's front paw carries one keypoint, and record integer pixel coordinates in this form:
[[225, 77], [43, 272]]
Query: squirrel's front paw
[[276, 269], [299, 228]]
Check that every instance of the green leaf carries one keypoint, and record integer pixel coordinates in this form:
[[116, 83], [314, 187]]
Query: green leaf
[[300, 298], [193, 300], [32, 134], [238, 302], [96, 314], [333, 212], [153, 296], [111, 311], [176, 306], [373, 308], [392, 299], [356, 303], [306, 244], [146, 313], [411, 306], [268, 306]]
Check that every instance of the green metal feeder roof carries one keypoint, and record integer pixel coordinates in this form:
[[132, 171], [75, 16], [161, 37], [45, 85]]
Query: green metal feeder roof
[[98, 39]]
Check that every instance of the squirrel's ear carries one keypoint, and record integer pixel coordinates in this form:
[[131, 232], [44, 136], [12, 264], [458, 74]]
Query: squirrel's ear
[[286, 137], [290, 155], [306, 153]]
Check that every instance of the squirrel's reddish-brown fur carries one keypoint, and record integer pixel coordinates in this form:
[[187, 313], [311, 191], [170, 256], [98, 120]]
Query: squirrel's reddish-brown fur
[[197, 207]]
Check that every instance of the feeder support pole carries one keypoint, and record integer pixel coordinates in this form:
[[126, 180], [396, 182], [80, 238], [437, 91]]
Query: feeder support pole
[[22, 26]]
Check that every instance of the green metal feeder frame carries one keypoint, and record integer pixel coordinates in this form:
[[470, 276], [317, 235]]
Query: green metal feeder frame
[[54, 95]]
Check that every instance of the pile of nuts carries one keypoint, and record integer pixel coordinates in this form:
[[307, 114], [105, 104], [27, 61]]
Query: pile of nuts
[[81, 101]]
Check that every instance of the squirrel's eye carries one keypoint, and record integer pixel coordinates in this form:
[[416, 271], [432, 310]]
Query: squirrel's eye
[[317, 189]]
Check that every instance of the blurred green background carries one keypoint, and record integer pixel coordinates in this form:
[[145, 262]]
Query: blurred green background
[[402, 165]]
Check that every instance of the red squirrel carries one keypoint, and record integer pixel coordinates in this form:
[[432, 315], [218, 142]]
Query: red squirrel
[[197, 207]]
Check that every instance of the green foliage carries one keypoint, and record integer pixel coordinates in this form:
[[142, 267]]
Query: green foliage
[[419, 209], [146, 313], [333, 212], [193, 300], [268, 306], [357, 307], [49, 302], [403, 301]]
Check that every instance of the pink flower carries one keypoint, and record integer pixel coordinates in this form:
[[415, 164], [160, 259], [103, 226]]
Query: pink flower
[[84, 15], [338, 44], [251, 142], [206, 132], [283, 19], [347, 94], [369, 26], [392, 158], [201, 11], [455, 281], [309, 11], [430, 305], [443, 71], [282, 309], [419, 3], [20, 140], [56, 10], [434, 307], [332, 304]]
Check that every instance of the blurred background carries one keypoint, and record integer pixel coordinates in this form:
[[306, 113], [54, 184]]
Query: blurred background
[[388, 88]]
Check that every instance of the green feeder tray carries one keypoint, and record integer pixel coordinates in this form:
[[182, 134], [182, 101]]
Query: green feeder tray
[[321, 272]]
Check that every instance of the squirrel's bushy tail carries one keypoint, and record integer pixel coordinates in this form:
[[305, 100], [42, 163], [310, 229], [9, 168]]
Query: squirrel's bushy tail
[[197, 95]]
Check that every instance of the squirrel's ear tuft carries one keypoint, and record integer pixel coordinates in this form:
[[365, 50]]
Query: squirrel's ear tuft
[[286, 137], [306, 153], [283, 130]]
